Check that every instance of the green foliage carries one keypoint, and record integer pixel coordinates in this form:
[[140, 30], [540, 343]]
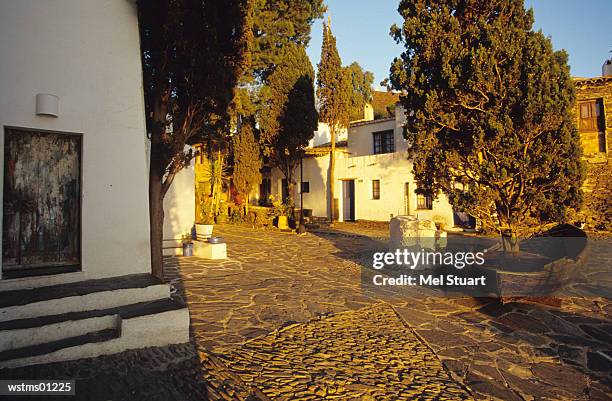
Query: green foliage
[[206, 210], [277, 23], [216, 173], [280, 208], [247, 160], [333, 93], [333, 88], [237, 216], [492, 109], [360, 89], [291, 117], [384, 104], [192, 54]]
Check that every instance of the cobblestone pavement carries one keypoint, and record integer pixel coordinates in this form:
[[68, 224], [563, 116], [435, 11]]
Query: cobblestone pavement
[[513, 351], [362, 355], [170, 373], [295, 305]]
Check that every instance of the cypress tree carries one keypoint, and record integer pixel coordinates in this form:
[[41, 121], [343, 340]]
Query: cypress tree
[[333, 95], [490, 109], [291, 117], [361, 89], [247, 162]]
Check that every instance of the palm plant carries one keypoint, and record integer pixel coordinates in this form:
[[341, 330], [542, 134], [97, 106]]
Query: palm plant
[[216, 173]]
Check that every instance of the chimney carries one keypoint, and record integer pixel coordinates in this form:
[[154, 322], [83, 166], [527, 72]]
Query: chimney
[[368, 112], [606, 69]]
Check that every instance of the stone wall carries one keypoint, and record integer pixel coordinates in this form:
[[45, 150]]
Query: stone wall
[[597, 210]]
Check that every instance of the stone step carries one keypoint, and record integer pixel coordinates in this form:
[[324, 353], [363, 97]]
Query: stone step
[[52, 346], [81, 296], [93, 333], [21, 333]]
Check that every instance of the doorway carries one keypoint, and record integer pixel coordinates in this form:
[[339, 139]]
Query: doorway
[[41, 227], [348, 200]]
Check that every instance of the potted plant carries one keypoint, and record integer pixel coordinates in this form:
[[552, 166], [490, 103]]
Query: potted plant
[[280, 211], [222, 216], [204, 228], [187, 245]]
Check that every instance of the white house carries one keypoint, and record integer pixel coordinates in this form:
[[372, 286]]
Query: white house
[[373, 175], [75, 247]]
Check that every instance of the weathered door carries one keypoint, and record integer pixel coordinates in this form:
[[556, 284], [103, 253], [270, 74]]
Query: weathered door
[[41, 225]]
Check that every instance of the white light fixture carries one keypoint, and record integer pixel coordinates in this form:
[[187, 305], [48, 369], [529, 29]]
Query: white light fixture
[[47, 105]]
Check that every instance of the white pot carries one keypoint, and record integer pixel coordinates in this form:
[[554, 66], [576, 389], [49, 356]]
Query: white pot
[[204, 231]]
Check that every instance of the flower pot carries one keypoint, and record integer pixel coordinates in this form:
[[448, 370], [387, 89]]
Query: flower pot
[[187, 249], [204, 231], [221, 219], [283, 222]]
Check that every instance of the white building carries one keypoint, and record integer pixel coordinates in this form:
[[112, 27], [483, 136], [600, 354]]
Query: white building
[[179, 210], [75, 201], [373, 175]]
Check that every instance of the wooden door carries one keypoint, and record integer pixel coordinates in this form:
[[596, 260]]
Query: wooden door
[[41, 227]]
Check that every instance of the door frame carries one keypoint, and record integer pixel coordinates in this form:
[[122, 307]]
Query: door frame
[[45, 271]]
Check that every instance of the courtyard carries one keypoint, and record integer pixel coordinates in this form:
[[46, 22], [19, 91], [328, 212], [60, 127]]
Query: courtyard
[[287, 317]]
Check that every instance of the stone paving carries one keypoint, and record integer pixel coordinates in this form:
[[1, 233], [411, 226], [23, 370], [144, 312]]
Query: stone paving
[[170, 373], [368, 354], [515, 351], [285, 318]]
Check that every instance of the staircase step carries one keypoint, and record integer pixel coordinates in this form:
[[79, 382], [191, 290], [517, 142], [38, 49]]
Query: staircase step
[[127, 311], [28, 332], [46, 348], [30, 295], [149, 324], [81, 296]]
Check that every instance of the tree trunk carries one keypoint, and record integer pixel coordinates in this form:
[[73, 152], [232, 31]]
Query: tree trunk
[[332, 165], [156, 219], [509, 239]]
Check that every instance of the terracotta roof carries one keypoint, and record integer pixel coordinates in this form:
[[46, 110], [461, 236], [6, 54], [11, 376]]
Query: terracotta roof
[[325, 148], [594, 80], [380, 120], [339, 144]]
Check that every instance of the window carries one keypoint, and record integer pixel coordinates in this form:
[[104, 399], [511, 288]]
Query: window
[[592, 123], [305, 187], [375, 189], [590, 113], [383, 142], [424, 202]]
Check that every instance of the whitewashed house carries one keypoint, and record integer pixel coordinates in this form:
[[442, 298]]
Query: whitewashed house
[[373, 175], [75, 279]]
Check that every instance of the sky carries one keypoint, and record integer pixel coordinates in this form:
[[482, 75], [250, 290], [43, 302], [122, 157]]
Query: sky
[[582, 27]]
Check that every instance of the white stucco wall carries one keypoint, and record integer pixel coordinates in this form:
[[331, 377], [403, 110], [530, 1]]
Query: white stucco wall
[[87, 53], [179, 205], [323, 135]]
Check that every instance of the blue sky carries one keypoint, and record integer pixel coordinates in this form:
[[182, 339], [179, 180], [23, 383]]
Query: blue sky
[[582, 27]]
